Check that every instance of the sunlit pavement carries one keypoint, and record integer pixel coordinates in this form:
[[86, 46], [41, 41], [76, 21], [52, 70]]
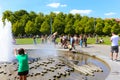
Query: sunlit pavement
[[103, 51]]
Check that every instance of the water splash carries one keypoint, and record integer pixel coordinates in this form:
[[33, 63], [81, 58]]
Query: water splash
[[6, 45], [49, 49]]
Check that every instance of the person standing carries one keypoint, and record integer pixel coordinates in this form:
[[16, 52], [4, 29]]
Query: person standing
[[54, 37], [72, 41], [85, 40], [23, 66], [34, 40], [114, 46], [81, 41]]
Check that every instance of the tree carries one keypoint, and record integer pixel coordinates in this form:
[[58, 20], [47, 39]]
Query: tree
[[89, 29], [38, 22], [32, 15], [59, 23], [77, 17], [99, 26], [77, 24], [82, 24], [9, 16], [33, 23], [115, 28], [30, 28], [45, 28], [22, 17], [19, 14], [78, 27], [18, 28], [69, 28], [107, 28]]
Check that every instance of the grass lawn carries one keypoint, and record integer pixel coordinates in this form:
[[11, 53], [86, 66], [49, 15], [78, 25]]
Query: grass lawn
[[106, 41], [93, 40], [26, 41], [90, 41]]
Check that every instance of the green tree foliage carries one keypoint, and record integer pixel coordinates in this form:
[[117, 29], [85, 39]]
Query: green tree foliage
[[115, 28], [83, 24], [59, 23], [77, 24], [77, 17], [89, 29], [45, 27], [108, 25], [30, 28], [26, 23], [32, 15], [107, 29], [69, 27], [17, 28], [9, 16], [38, 22], [99, 25], [78, 27]]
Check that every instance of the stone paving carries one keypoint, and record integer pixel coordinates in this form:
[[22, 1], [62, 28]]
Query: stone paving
[[103, 51], [100, 51]]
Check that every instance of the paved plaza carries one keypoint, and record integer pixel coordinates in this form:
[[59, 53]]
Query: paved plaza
[[100, 51], [103, 51]]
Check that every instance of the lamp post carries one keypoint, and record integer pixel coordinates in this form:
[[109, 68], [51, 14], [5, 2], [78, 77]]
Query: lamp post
[[50, 25], [94, 26]]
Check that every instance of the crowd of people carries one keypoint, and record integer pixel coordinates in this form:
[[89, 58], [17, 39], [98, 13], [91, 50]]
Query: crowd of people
[[73, 40], [66, 41]]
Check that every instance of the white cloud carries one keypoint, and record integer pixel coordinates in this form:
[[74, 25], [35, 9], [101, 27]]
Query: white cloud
[[56, 12], [56, 5], [82, 12], [63, 5], [110, 14]]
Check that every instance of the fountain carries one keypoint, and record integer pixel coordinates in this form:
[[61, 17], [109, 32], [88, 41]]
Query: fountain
[[6, 45], [48, 62]]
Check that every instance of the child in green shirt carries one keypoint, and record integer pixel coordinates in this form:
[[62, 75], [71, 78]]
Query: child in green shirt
[[23, 67]]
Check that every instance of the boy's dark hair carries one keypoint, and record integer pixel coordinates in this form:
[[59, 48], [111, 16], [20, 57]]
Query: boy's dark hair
[[21, 51], [114, 32]]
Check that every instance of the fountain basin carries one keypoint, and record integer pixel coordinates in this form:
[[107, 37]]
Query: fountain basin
[[79, 59], [48, 65]]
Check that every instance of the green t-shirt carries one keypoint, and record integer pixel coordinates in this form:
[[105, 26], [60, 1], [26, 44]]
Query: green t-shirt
[[22, 62]]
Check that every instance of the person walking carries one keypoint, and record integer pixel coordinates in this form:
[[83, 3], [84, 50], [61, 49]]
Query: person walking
[[81, 41], [34, 40], [85, 40], [72, 42], [54, 37], [114, 46], [23, 66]]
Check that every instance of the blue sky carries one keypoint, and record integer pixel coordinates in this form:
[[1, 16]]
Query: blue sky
[[91, 8]]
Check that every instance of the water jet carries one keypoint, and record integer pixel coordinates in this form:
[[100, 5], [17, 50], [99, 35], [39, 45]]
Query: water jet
[[6, 45]]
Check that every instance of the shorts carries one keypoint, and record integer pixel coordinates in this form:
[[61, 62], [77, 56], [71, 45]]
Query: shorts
[[23, 73], [114, 49]]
